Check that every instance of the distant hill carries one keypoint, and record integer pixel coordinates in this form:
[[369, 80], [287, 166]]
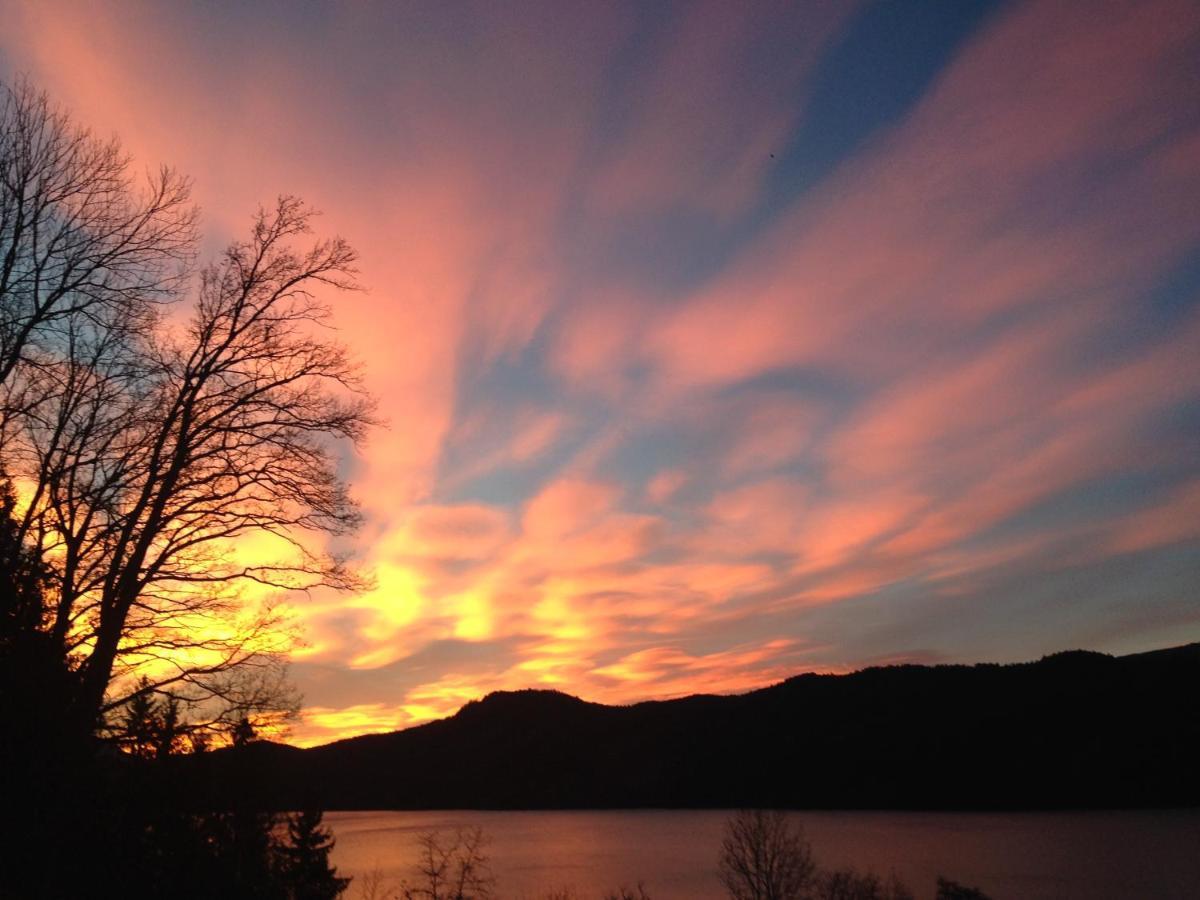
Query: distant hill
[[1075, 729]]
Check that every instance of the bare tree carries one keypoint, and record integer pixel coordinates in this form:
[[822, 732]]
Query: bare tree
[[236, 438], [764, 856], [371, 885], [150, 453], [77, 236], [77, 450], [145, 453], [452, 866], [847, 884]]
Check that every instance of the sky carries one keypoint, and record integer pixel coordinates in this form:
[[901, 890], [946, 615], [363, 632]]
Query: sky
[[717, 342]]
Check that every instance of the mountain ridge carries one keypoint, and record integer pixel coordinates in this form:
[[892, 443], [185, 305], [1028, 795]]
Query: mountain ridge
[[1072, 729], [491, 696]]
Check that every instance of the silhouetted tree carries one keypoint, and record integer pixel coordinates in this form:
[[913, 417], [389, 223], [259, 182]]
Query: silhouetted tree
[[847, 884], [43, 748], [304, 860], [152, 458], [238, 444], [243, 732], [452, 866], [143, 454], [952, 890], [764, 856], [139, 724], [370, 886], [149, 457], [23, 576], [624, 893], [77, 237], [118, 429], [37, 687], [151, 727], [242, 849]]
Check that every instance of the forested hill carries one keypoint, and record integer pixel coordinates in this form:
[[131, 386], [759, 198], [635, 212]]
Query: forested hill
[[1075, 729]]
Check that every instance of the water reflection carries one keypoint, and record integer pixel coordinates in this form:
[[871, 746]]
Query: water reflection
[[1096, 856]]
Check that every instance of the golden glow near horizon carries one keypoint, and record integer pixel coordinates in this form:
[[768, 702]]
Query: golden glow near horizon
[[708, 374]]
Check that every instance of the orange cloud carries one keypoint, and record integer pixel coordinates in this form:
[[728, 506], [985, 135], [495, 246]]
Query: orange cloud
[[763, 516], [468, 531]]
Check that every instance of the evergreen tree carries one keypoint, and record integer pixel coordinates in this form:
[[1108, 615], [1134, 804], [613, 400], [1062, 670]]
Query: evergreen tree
[[23, 576], [304, 859], [139, 724]]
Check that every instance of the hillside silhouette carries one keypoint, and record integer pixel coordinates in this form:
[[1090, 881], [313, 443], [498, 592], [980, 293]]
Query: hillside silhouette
[[1072, 730]]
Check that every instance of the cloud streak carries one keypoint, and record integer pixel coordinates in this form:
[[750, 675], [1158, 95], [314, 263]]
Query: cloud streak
[[662, 420]]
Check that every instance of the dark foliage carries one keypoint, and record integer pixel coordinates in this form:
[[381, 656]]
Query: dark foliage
[[952, 890], [142, 451], [84, 814], [304, 859], [847, 884]]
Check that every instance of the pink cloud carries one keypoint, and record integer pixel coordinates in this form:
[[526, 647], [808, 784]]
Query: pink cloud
[[1013, 439], [762, 516], [1173, 521], [950, 219], [768, 431], [833, 530], [453, 235], [594, 336], [567, 506], [664, 485], [518, 438], [615, 539], [700, 136]]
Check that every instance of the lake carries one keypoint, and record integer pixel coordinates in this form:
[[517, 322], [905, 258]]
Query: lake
[[1089, 855]]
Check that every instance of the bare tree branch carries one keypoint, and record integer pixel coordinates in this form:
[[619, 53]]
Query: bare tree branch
[[147, 455]]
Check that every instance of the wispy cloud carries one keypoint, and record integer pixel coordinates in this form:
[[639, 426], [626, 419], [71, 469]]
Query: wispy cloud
[[669, 411]]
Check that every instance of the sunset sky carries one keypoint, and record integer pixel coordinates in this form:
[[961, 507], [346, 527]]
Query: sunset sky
[[717, 342]]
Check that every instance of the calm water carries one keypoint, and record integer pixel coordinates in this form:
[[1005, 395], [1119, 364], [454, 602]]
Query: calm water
[[1090, 856]]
